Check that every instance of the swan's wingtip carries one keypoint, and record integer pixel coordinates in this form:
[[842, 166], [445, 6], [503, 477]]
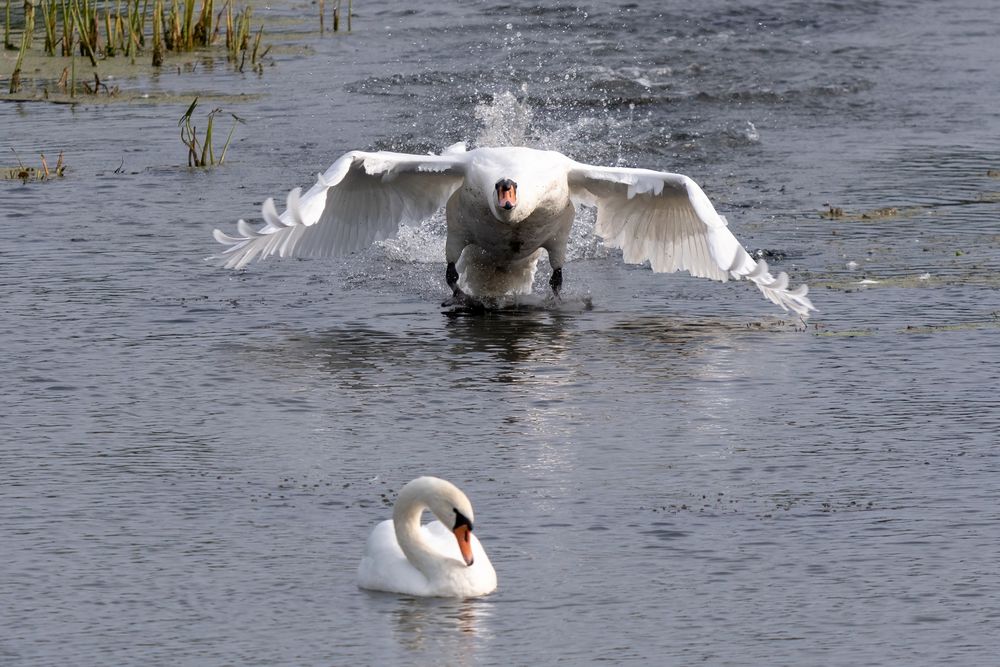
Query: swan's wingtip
[[775, 289], [224, 238]]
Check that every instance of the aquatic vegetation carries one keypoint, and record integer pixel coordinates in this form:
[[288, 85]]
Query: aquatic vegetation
[[238, 31], [882, 213], [336, 15], [200, 151], [7, 44], [25, 174], [26, 34], [104, 30], [99, 85]]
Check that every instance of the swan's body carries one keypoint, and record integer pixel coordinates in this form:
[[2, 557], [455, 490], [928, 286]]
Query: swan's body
[[503, 206], [441, 559]]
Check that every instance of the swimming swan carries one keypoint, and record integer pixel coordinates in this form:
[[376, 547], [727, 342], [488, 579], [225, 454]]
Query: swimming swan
[[441, 559], [503, 205]]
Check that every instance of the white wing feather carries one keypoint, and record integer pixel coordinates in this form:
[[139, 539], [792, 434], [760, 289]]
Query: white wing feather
[[362, 198], [667, 220]]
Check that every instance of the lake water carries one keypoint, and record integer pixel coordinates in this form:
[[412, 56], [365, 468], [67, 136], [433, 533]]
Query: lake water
[[192, 458]]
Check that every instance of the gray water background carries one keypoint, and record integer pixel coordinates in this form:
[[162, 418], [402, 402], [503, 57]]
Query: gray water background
[[191, 459]]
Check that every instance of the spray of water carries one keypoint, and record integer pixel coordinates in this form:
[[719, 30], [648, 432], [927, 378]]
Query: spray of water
[[507, 119], [504, 121]]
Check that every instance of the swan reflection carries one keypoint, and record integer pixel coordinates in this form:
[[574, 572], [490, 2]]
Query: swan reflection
[[450, 630]]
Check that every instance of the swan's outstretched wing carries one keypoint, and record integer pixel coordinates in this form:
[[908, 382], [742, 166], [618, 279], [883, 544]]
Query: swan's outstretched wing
[[362, 198], [668, 220]]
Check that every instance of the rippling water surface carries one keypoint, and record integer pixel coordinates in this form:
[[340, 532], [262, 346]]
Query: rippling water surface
[[192, 458]]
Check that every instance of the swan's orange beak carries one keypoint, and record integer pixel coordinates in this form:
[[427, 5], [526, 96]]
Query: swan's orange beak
[[464, 536], [506, 194]]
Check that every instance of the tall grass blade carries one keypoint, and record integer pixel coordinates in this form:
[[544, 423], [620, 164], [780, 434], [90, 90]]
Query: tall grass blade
[[7, 44], [87, 31], [29, 25], [157, 33], [236, 121], [49, 15]]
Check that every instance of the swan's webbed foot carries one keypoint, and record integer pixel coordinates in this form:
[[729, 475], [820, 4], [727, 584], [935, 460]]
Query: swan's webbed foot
[[555, 282], [460, 302]]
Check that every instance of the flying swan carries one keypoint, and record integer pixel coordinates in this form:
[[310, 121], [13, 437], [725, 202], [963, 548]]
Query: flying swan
[[503, 206], [441, 559]]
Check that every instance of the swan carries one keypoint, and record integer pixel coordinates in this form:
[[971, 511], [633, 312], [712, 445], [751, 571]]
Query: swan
[[503, 207], [441, 559]]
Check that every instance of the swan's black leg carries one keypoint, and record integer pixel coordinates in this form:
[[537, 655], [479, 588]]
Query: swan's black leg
[[458, 297], [555, 282], [451, 276]]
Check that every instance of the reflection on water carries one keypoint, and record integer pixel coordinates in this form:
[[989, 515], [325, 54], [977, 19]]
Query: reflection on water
[[515, 338], [452, 631]]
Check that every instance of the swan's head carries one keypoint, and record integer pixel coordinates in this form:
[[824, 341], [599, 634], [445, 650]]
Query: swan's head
[[463, 534], [453, 509], [506, 191], [447, 502]]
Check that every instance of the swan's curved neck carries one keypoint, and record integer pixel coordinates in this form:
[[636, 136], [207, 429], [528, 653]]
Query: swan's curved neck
[[406, 521]]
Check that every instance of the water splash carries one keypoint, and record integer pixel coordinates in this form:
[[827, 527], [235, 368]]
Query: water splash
[[505, 121], [508, 118], [418, 244]]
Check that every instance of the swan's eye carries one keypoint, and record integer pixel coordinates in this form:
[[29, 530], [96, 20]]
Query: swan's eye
[[461, 520]]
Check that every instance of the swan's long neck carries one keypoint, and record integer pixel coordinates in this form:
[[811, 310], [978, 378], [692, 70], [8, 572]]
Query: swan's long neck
[[406, 521]]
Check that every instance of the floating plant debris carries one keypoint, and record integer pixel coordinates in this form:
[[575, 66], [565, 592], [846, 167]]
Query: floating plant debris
[[28, 173]]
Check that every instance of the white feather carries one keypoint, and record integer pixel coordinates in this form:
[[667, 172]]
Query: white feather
[[667, 220], [350, 206]]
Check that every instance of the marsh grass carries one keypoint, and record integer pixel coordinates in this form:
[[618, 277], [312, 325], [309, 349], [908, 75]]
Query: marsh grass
[[201, 152], [26, 174], [157, 33], [337, 4], [50, 10], [106, 29], [7, 44], [26, 36], [69, 27]]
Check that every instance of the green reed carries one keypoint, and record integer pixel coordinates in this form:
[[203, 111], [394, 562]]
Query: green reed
[[85, 16], [69, 27], [26, 36], [238, 46], [201, 152], [50, 10], [157, 33], [7, 44], [103, 29]]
